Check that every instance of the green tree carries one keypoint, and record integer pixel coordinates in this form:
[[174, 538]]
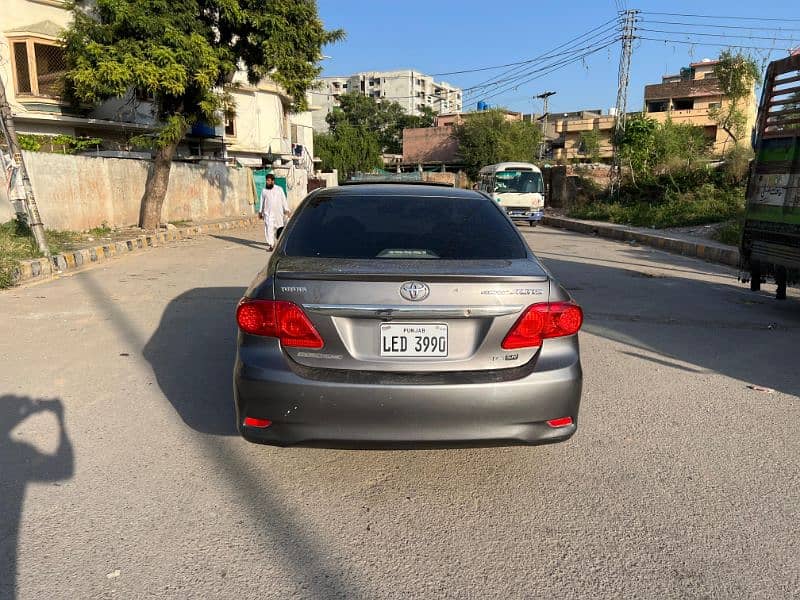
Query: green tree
[[651, 149], [386, 119], [349, 149], [184, 52], [736, 74], [488, 137], [590, 144]]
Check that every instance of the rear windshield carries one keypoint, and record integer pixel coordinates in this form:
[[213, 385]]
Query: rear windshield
[[403, 227]]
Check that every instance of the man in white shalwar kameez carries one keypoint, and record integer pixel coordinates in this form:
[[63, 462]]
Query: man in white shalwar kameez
[[274, 210]]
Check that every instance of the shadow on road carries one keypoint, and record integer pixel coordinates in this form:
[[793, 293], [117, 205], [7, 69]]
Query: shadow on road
[[20, 464], [192, 354], [710, 324], [242, 241]]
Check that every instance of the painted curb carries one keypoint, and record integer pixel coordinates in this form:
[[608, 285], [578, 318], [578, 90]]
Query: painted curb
[[711, 252], [42, 268]]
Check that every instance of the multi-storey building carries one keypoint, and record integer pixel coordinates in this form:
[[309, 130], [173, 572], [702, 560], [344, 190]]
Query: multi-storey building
[[411, 89], [689, 96]]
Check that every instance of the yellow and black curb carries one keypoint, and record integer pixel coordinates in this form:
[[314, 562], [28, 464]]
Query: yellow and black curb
[[710, 251], [44, 268]]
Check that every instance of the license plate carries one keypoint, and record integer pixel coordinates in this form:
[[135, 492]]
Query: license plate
[[414, 339]]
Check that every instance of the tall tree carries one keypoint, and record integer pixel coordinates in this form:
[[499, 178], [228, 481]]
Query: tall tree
[[736, 74], [489, 137], [184, 52]]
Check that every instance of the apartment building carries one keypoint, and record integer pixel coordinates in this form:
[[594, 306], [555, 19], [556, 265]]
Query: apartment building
[[687, 98], [411, 89]]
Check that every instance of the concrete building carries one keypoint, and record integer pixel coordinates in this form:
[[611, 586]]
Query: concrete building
[[32, 65], [411, 89], [687, 98], [567, 142]]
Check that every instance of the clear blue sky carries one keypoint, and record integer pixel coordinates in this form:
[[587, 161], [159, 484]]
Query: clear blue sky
[[435, 36]]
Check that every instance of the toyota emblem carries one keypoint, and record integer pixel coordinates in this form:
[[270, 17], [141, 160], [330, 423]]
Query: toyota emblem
[[414, 291]]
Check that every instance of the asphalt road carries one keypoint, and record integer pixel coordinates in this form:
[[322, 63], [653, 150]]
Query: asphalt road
[[122, 476]]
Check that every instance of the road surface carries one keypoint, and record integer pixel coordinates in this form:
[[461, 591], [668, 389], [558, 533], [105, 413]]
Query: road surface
[[682, 482]]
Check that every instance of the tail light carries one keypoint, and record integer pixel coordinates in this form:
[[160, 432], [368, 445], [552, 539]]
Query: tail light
[[560, 422], [542, 321], [283, 320]]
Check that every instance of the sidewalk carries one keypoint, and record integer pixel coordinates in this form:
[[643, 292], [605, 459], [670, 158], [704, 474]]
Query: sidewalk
[[678, 243], [44, 268]]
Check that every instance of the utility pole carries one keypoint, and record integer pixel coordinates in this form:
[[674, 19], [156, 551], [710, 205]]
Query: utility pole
[[10, 133], [628, 34], [544, 97]]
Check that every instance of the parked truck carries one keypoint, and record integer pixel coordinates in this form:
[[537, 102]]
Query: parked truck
[[770, 246]]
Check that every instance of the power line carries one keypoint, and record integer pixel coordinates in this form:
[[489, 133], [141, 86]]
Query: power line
[[780, 30], [718, 17], [549, 69], [719, 35], [471, 91], [546, 70], [690, 43], [565, 46]]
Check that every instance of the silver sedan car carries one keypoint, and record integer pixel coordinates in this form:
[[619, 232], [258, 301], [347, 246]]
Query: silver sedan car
[[398, 315]]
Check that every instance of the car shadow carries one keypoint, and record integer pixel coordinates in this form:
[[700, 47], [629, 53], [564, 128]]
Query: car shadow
[[20, 464], [192, 353]]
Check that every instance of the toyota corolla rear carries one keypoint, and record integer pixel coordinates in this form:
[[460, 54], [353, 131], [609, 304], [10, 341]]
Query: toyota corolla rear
[[395, 315]]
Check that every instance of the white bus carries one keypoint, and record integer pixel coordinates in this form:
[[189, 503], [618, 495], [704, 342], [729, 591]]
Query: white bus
[[518, 187]]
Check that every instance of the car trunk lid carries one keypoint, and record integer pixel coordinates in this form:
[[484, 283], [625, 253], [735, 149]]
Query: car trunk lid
[[462, 311]]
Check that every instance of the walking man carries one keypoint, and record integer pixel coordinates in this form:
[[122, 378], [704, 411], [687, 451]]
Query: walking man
[[274, 210]]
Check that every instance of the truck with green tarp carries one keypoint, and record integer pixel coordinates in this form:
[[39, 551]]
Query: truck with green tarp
[[770, 245]]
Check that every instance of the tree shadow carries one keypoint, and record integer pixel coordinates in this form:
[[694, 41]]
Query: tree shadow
[[20, 464], [218, 175]]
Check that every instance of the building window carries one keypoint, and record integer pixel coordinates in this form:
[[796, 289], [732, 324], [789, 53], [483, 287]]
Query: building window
[[657, 106], [230, 127], [714, 104], [39, 68], [683, 104]]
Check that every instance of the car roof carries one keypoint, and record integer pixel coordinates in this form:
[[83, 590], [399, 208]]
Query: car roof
[[398, 189]]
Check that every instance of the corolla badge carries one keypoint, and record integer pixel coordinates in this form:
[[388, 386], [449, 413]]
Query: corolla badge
[[414, 291]]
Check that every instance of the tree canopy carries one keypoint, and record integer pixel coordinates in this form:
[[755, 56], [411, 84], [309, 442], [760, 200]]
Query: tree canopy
[[489, 137], [650, 148], [184, 53], [736, 74], [349, 149], [386, 120]]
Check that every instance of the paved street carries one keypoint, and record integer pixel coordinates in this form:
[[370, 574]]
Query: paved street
[[681, 482]]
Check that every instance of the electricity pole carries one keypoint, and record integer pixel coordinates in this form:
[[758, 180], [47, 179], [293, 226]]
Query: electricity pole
[[544, 97], [10, 133], [628, 34]]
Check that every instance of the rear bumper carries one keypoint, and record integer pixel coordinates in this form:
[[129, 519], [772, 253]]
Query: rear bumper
[[388, 413]]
